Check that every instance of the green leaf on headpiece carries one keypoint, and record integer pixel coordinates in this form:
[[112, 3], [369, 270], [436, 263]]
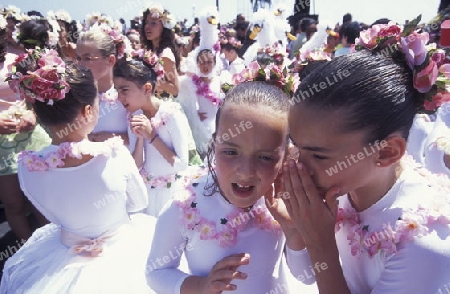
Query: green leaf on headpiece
[[411, 26], [441, 81]]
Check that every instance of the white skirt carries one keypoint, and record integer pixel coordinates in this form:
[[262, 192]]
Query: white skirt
[[44, 265]]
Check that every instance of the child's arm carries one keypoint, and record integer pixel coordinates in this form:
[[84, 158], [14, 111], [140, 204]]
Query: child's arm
[[138, 153]]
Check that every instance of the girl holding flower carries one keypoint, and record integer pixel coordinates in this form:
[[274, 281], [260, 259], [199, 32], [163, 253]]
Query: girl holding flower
[[91, 192], [222, 220], [158, 130], [378, 220]]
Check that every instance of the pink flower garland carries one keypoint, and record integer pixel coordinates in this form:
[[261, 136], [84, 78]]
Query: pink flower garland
[[411, 223], [37, 162], [204, 90], [225, 232], [109, 96]]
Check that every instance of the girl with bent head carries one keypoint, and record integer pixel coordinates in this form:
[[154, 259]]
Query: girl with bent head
[[98, 51], [157, 35], [19, 130], [158, 130], [222, 221], [90, 191], [377, 220]]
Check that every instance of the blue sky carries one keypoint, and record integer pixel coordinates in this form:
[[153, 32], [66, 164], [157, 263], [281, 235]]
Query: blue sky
[[332, 10]]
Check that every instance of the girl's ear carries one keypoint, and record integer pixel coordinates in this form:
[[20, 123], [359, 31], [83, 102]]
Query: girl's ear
[[88, 112], [391, 150], [148, 89], [112, 59]]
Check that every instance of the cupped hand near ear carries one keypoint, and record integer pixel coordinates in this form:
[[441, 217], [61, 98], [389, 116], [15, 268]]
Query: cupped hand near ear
[[313, 213]]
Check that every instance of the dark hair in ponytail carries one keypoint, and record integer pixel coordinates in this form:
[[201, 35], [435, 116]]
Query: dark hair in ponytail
[[376, 94]]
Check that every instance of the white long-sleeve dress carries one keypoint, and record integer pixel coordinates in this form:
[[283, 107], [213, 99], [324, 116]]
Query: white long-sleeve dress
[[97, 241]]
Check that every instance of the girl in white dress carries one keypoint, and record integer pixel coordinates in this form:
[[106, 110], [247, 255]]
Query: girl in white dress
[[222, 220], [158, 37], [158, 130], [379, 221], [90, 191], [200, 99], [98, 51]]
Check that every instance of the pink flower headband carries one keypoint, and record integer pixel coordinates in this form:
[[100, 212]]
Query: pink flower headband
[[271, 73], [152, 60], [118, 38], [431, 75], [46, 83]]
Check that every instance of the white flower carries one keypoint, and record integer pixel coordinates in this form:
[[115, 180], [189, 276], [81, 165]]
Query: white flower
[[3, 22], [443, 144]]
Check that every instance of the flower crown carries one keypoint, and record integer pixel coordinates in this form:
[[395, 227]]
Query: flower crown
[[152, 59], [230, 40], [122, 43], [157, 11], [430, 74], [271, 54], [46, 81], [271, 73], [12, 11], [61, 15], [96, 19], [302, 58]]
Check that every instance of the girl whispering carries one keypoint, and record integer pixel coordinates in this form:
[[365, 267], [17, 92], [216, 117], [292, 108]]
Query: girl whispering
[[380, 222], [222, 220]]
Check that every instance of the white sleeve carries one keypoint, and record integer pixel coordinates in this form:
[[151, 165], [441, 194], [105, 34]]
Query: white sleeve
[[137, 198], [167, 248], [300, 264], [167, 53], [419, 266], [178, 128]]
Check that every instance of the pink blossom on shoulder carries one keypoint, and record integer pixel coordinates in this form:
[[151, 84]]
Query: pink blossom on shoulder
[[207, 229], [227, 237]]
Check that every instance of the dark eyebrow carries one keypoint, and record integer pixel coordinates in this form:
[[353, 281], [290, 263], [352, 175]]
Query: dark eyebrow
[[310, 148]]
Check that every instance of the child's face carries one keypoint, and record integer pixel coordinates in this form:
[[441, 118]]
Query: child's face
[[130, 95], [135, 42], [205, 63], [91, 57], [333, 158], [153, 28], [230, 55], [249, 151]]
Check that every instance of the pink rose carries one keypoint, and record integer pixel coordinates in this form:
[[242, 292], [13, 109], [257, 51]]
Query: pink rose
[[50, 59], [414, 48], [437, 100], [438, 57], [425, 79], [368, 38], [50, 75]]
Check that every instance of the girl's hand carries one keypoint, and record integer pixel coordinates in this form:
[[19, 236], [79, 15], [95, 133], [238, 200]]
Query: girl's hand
[[223, 272], [7, 126], [141, 126], [27, 122], [313, 215], [274, 198]]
